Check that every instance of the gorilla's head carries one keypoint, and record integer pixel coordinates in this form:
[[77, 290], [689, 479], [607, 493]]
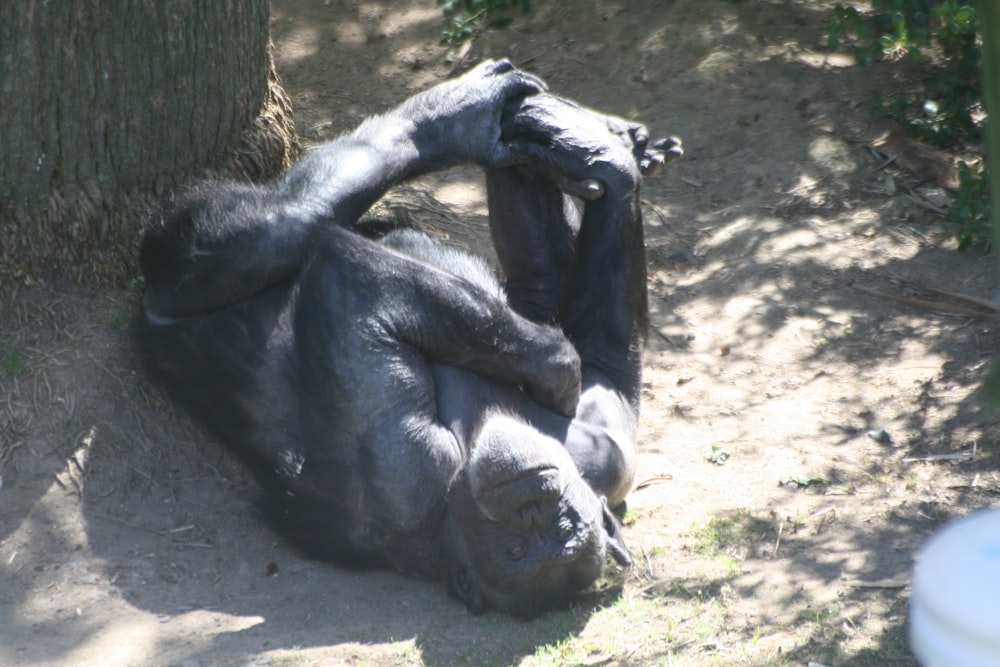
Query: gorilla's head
[[524, 531]]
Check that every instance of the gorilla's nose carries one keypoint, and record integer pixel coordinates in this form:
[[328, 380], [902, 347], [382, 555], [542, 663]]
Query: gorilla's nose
[[530, 515]]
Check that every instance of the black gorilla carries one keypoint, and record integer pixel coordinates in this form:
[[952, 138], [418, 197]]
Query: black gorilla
[[401, 408]]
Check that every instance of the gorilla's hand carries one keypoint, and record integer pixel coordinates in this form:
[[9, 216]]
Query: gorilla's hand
[[556, 381], [459, 120], [580, 149]]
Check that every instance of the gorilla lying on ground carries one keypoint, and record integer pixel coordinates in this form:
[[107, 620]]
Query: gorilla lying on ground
[[401, 408]]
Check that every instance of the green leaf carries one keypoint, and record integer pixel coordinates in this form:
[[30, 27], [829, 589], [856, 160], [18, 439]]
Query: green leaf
[[718, 455], [802, 481]]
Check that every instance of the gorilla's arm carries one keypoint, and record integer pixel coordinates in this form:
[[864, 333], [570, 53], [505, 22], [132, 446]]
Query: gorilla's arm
[[224, 242]]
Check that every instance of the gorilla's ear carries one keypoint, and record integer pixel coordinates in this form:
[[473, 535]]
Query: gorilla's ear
[[462, 587], [616, 545]]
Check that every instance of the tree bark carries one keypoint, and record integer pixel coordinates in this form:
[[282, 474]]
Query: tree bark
[[107, 105], [989, 25]]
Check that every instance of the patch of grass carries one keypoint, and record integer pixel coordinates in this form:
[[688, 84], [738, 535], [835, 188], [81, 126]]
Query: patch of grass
[[291, 658], [13, 363], [656, 551], [409, 652], [559, 652], [725, 540], [719, 533], [628, 515]]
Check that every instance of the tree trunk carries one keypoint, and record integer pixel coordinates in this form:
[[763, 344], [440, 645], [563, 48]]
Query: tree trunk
[[107, 105], [989, 32]]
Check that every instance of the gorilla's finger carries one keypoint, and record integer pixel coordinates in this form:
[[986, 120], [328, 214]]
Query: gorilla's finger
[[671, 146], [532, 83], [540, 158], [639, 134], [651, 164], [526, 81], [530, 151], [499, 66]]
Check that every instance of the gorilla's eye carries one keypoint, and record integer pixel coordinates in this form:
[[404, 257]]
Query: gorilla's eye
[[516, 551], [564, 530]]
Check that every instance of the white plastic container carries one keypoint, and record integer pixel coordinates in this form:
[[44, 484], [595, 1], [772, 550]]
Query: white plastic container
[[955, 605]]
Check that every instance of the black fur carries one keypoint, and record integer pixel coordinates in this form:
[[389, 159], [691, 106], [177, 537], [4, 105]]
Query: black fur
[[399, 406]]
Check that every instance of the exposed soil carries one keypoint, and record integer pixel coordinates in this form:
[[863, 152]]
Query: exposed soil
[[792, 337]]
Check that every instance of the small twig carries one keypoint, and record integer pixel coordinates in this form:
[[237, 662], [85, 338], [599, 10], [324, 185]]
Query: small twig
[[665, 337], [657, 211], [106, 370], [881, 583], [930, 305], [129, 525], [34, 393], [985, 303], [138, 472], [653, 584], [920, 201], [777, 542], [690, 181], [655, 479], [649, 565], [889, 160], [195, 545], [941, 457], [919, 235]]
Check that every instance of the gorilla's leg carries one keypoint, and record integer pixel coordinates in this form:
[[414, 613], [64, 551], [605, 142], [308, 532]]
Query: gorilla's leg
[[534, 227], [527, 526], [543, 260], [586, 273]]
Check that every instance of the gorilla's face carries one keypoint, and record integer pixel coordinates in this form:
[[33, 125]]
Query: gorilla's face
[[524, 532]]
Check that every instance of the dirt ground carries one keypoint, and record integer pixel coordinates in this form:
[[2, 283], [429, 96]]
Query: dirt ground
[[797, 363]]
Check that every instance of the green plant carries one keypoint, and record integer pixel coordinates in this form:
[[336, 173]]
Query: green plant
[[718, 455], [947, 111], [939, 33], [801, 482], [970, 211], [719, 533], [470, 17], [12, 362]]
